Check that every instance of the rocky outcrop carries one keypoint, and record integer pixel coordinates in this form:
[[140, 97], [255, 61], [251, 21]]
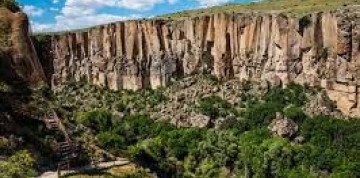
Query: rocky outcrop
[[320, 104], [320, 49], [18, 58], [283, 127]]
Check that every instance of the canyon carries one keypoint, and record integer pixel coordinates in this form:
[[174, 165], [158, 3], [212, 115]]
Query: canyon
[[207, 93], [319, 49]]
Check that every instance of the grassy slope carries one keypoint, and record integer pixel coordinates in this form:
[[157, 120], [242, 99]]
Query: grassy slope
[[296, 7]]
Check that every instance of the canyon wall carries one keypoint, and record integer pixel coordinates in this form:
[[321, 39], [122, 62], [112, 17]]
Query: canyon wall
[[321, 49], [19, 62]]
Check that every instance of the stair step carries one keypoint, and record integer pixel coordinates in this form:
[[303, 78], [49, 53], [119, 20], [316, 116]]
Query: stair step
[[69, 157]]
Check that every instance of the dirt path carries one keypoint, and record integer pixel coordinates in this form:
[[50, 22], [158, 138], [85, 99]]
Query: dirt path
[[99, 166]]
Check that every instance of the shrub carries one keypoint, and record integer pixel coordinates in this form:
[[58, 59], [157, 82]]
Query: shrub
[[4, 87], [214, 107], [304, 23], [12, 5], [136, 127], [260, 115], [19, 165], [96, 120], [4, 35], [4, 143], [293, 94], [323, 53], [294, 113], [110, 141]]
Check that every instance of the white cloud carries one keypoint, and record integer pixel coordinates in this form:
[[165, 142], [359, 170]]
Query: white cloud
[[128, 4], [33, 11], [39, 27], [68, 23], [55, 1], [138, 4], [81, 14], [85, 13], [77, 11], [207, 3]]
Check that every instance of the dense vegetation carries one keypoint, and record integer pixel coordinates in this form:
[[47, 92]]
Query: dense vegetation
[[120, 123], [19, 164], [12, 5], [246, 149]]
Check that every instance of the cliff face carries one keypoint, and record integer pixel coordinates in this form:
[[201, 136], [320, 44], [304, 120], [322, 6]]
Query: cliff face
[[322, 49], [18, 58]]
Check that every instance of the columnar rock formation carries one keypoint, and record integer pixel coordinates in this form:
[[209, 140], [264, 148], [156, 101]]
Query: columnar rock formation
[[321, 49], [18, 58]]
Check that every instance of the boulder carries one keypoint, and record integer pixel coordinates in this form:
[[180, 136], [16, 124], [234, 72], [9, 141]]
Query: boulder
[[299, 140], [200, 121], [283, 127]]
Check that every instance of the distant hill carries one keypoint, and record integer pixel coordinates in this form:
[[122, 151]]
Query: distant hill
[[296, 7]]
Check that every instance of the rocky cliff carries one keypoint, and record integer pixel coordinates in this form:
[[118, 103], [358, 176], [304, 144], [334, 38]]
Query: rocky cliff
[[320, 49], [18, 59]]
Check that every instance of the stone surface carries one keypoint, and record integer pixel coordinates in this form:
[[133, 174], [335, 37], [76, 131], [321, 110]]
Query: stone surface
[[321, 49], [283, 127], [320, 104], [200, 121], [299, 140], [18, 59]]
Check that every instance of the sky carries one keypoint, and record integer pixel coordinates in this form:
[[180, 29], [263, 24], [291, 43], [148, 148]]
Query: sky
[[60, 15]]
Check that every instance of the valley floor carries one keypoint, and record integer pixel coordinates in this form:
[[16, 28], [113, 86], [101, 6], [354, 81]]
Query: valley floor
[[196, 128]]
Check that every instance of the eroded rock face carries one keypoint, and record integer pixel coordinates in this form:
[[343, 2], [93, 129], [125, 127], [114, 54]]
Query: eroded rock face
[[18, 58], [321, 49], [320, 104]]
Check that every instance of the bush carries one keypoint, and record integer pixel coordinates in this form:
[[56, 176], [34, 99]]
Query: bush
[[294, 94], [4, 144], [294, 113], [4, 87], [214, 107], [136, 127], [260, 115], [110, 141], [99, 121], [21, 164]]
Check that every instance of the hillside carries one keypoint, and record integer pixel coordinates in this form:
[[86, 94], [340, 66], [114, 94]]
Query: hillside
[[293, 7], [290, 7]]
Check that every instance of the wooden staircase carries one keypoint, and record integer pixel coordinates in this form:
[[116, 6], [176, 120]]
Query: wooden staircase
[[67, 150]]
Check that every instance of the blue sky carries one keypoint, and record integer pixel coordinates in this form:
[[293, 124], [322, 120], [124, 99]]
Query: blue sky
[[58, 15]]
